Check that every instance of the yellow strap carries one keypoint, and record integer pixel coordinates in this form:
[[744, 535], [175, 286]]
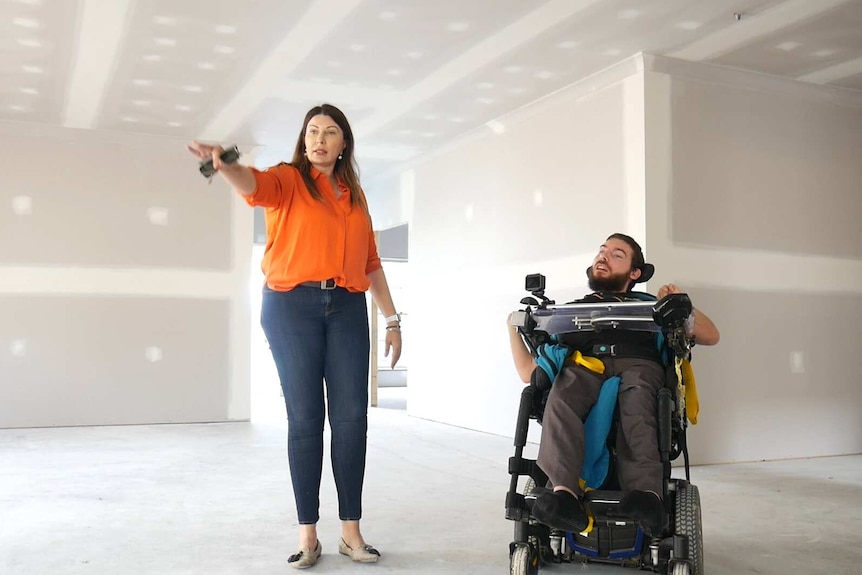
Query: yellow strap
[[589, 526], [594, 364], [692, 404]]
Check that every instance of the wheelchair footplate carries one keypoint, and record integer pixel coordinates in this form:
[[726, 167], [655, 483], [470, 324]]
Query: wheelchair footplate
[[613, 537]]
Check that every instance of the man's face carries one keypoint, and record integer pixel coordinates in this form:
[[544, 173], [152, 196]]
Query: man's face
[[612, 267]]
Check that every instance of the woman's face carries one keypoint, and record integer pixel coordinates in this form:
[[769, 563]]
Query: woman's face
[[324, 141]]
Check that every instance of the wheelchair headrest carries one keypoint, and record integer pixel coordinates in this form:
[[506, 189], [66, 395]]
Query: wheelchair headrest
[[647, 270]]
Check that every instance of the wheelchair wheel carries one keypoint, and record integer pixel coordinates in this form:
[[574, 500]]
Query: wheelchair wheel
[[524, 560], [688, 523]]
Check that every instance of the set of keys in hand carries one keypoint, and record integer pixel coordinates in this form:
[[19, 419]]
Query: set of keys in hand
[[229, 156]]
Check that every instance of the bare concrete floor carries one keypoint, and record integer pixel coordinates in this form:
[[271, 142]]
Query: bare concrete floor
[[216, 499]]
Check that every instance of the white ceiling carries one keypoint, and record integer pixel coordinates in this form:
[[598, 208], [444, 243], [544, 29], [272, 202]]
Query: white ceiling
[[410, 74]]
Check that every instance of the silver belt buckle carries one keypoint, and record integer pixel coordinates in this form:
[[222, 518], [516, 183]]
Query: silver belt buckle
[[324, 284]]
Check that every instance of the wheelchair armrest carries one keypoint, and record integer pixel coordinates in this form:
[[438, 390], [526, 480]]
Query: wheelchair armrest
[[522, 320]]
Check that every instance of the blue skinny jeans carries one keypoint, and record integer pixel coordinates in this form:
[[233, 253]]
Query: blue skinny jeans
[[321, 337]]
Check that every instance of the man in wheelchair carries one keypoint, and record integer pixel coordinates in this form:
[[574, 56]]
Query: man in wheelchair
[[592, 357]]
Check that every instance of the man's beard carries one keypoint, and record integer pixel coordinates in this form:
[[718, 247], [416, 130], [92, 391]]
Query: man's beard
[[615, 283]]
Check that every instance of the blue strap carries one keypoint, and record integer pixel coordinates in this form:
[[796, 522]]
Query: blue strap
[[551, 359], [596, 429]]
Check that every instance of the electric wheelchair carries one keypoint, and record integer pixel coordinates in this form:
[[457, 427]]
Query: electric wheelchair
[[613, 537]]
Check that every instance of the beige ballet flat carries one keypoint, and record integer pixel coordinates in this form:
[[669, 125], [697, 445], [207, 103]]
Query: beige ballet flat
[[305, 557], [364, 554]]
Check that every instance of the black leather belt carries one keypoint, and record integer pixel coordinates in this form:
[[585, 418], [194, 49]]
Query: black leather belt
[[323, 284]]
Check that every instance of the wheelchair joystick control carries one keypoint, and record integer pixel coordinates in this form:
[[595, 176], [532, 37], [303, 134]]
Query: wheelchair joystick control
[[672, 311]]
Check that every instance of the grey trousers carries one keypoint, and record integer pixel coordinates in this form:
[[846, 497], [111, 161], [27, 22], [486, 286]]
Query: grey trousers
[[575, 390]]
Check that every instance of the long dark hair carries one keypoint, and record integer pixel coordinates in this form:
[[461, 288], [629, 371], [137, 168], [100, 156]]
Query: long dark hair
[[345, 169]]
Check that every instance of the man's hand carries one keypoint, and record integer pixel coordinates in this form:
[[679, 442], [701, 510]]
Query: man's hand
[[698, 324], [668, 289]]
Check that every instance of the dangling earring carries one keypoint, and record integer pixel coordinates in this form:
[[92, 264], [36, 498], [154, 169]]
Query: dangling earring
[[339, 156]]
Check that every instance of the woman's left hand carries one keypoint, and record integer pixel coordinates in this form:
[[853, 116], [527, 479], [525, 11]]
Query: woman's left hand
[[393, 342]]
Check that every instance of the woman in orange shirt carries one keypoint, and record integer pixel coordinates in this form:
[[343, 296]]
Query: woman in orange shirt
[[320, 259]]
